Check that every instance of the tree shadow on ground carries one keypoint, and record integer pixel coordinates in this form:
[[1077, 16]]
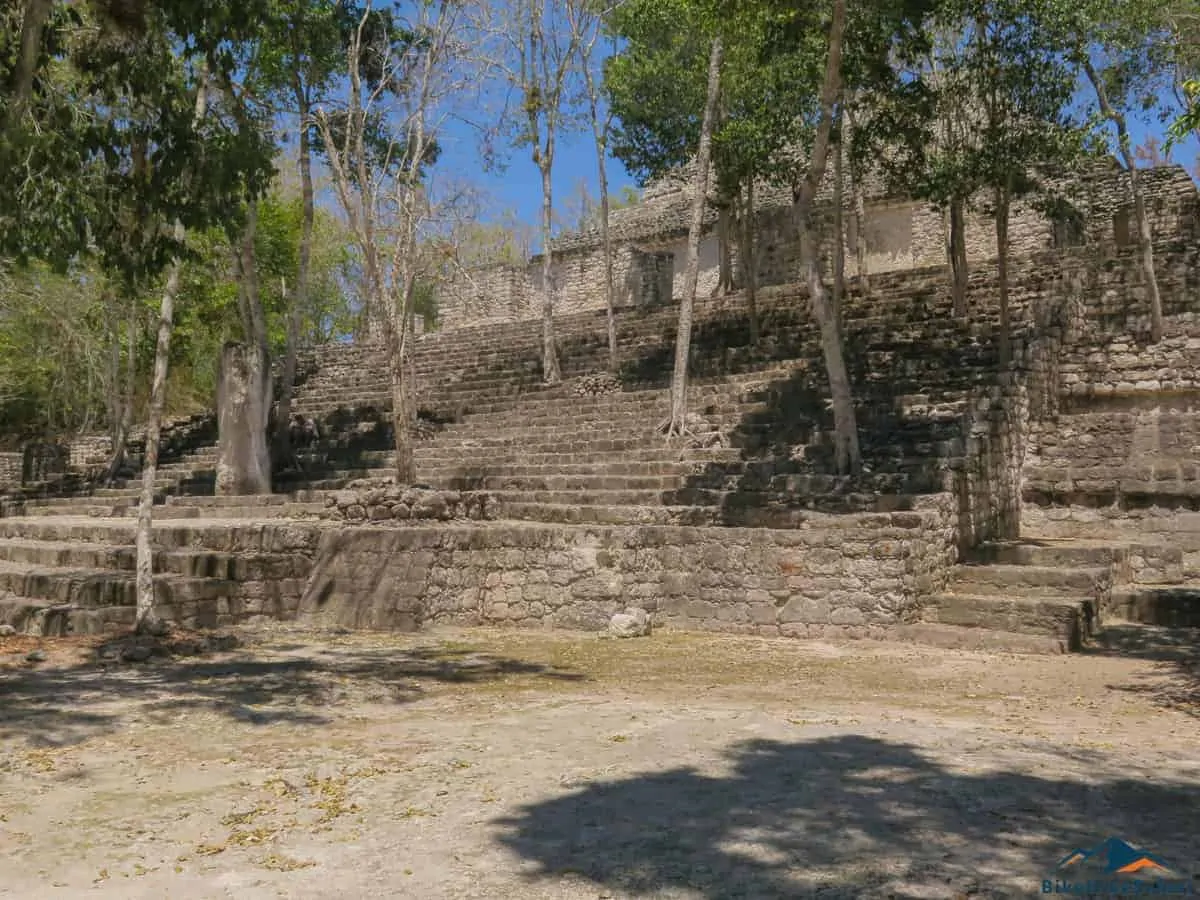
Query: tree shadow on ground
[[1174, 682], [63, 706], [849, 816]]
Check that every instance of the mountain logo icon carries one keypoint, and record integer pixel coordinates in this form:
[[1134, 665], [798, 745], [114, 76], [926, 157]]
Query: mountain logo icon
[[1116, 857]]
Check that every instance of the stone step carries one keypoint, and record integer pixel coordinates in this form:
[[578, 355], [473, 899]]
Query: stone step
[[50, 618], [82, 507], [434, 456], [567, 409], [191, 562], [249, 510], [1050, 553], [615, 425], [1119, 498], [601, 497], [1176, 606], [768, 516], [579, 443], [104, 587], [217, 533], [990, 640], [226, 501], [1037, 581], [557, 482], [1131, 479], [47, 506], [1155, 530], [455, 466], [664, 472], [573, 514], [1067, 621]]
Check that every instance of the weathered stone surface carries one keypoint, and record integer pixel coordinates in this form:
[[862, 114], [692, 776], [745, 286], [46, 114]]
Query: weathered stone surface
[[383, 502], [634, 622], [244, 395]]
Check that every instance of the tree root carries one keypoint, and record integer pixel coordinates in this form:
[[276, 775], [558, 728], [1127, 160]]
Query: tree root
[[672, 429]]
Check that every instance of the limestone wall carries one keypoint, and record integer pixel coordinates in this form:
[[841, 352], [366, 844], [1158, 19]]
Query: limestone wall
[[578, 280], [486, 294], [88, 452], [834, 575]]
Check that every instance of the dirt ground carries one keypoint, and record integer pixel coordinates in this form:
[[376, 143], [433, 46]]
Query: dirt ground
[[504, 764]]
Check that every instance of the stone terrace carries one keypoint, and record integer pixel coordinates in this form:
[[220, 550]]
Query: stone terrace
[[591, 509]]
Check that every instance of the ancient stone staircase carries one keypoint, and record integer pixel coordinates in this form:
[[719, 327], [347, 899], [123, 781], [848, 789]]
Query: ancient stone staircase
[[1120, 463], [67, 575], [551, 456]]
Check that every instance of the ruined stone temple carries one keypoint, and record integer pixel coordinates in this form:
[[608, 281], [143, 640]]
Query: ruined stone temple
[[896, 234], [1029, 507]]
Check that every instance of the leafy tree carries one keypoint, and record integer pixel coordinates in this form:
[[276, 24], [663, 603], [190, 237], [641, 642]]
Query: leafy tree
[[1125, 51], [300, 60], [676, 423], [586, 20], [425, 77], [1025, 86], [103, 108]]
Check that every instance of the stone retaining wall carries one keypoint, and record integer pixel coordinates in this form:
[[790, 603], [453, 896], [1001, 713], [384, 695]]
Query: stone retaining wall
[[854, 574], [382, 502]]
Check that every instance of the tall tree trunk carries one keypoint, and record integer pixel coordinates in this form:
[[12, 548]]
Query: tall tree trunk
[[244, 390], [676, 423], [402, 411], [144, 618], [257, 325], [839, 235], [750, 259], [1145, 236], [847, 453], [956, 252], [113, 395], [37, 12], [606, 240], [860, 207], [724, 257], [600, 130], [124, 422], [298, 298], [551, 374], [1003, 202]]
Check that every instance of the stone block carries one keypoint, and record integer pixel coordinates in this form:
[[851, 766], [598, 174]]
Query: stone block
[[804, 610]]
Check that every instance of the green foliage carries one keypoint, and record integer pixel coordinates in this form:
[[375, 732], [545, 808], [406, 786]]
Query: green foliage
[[984, 106], [208, 313], [771, 76], [107, 152], [656, 85], [57, 329], [1189, 120], [53, 349]]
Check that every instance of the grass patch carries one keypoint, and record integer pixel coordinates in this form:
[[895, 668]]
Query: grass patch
[[332, 797], [278, 862]]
